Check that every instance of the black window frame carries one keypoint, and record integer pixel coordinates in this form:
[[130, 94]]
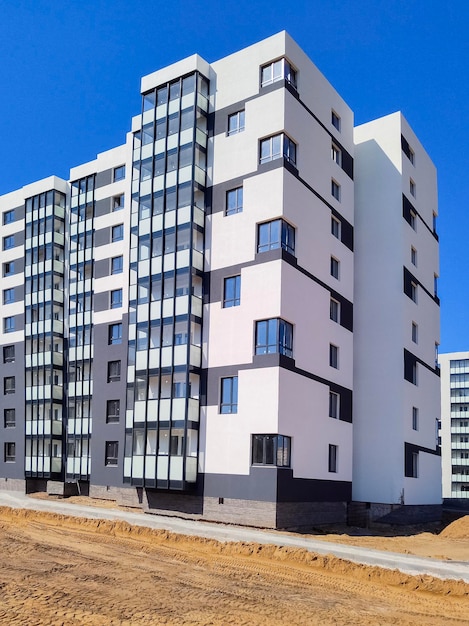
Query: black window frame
[[113, 411], [273, 450], [228, 395], [283, 239], [276, 329], [111, 454]]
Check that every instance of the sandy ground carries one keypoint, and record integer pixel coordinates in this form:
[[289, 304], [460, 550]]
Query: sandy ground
[[56, 569]]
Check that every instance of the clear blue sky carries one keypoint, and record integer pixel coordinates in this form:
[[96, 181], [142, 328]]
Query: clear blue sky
[[70, 75]]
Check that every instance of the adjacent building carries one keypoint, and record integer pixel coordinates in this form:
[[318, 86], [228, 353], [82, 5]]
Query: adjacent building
[[225, 316]]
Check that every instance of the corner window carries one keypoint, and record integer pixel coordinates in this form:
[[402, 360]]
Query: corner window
[[336, 154], [9, 418], [334, 311], [333, 457], [236, 123], [335, 120], [274, 235], [116, 298], [9, 242], [8, 385], [112, 453], [333, 356], [8, 324], [234, 201], [9, 217], [274, 336], [117, 264], [119, 173], [112, 412], [278, 70], [229, 395], [118, 232], [277, 147], [113, 371], [334, 404], [335, 189], [8, 295], [231, 291], [271, 450], [335, 268], [335, 227], [118, 202], [8, 354], [10, 452], [115, 333]]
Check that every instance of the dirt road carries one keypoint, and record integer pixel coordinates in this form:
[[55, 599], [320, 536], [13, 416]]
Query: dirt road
[[61, 570]]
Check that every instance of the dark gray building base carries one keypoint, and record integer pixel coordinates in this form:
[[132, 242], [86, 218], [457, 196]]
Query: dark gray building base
[[366, 514]]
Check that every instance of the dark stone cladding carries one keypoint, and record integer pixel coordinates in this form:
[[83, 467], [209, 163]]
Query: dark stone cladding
[[14, 434], [274, 484], [103, 178], [409, 278], [211, 380], [219, 124], [409, 449], [409, 361], [215, 286], [217, 200], [408, 208]]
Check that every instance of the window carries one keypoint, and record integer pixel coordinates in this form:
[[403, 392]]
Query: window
[[10, 452], [234, 201], [117, 264], [8, 295], [413, 291], [8, 385], [231, 291], [9, 216], [335, 227], [118, 232], [415, 332], [412, 187], [229, 395], [334, 404], [118, 202], [434, 222], [271, 450], [413, 256], [278, 70], [9, 268], [8, 242], [415, 465], [415, 418], [333, 356], [413, 373], [335, 120], [274, 235], [112, 412], [8, 354], [119, 173], [236, 123], [112, 452], [8, 324], [435, 285], [335, 311], [277, 146], [113, 371], [411, 156], [274, 336], [115, 333], [335, 189], [116, 298], [9, 418], [335, 267], [336, 153], [413, 220], [333, 454]]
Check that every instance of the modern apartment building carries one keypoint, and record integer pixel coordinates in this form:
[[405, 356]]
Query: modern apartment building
[[195, 322], [454, 427]]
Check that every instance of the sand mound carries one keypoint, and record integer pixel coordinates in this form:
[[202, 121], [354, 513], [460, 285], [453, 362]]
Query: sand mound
[[458, 529]]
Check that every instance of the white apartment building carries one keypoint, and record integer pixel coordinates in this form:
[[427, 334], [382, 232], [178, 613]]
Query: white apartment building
[[195, 322]]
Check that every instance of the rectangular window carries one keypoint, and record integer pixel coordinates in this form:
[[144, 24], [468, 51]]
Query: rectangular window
[[435, 285], [413, 220], [232, 291], [8, 296], [10, 452], [334, 405], [335, 120], [278, 70], [8, 324], [274, 336], [274, 235], [415, 465], [411, 156], [9, 418], [118, 232], [434, 222], [8, 354], [333, 356], [119, 173], [117, 264], [118, 202], [8, 385], [234, 201], [112, 452], [113, 371], [335, 189], [9, 268], [112, 412], [335, 310], [236, 123], [9, 216], [9, 242], [271, 450], [413, 291], [335, 268], [415, 332], [333, 457], [335, 227], [336, 153], [115, 333], [229, 395], [413, 256], [415, 418], [116, 298], [412, 187], [277, 147]]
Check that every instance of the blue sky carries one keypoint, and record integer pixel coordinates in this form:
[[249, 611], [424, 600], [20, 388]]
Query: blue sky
[[70, 75]]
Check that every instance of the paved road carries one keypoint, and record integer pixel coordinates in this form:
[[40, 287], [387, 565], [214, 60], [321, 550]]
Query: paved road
[[406, 563]]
